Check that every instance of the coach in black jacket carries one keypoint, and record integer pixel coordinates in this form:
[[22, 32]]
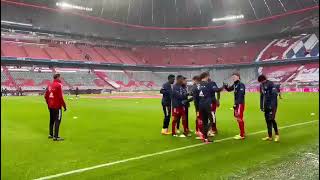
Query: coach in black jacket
[[269, 104], [166, 92]]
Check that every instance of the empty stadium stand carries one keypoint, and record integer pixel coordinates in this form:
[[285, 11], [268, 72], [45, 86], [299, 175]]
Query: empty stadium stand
[[301, 46], [81, 78], [38, 78], [56, 53], [107, 55], [31, 78], [293, 74], [12, 49], [35, 51], [73, 52]]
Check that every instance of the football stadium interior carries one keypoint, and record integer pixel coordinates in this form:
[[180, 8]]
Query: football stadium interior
[[118, 54]]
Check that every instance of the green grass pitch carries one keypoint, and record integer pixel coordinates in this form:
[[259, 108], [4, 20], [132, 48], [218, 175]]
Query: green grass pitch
[[109, 130]]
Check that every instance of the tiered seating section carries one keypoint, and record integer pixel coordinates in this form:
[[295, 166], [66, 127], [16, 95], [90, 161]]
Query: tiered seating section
[[37, 79], [293, 74], [301, 46], [125, 81], [289, 48], [12, 49], [6, 79], [239, 54], [306, 45], [82, 78], [67, 52], [31, 79]]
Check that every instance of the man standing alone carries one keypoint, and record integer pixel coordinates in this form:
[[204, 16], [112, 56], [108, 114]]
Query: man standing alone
[[268, 105], [55, 102]]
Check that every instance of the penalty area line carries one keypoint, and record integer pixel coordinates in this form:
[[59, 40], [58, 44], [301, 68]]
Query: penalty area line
[[156, 154]]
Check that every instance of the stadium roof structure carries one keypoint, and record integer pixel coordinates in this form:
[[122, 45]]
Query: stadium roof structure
[[171, 20]]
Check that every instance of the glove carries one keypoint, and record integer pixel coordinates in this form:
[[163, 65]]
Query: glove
[[64, 108], [234, 106], [225, 85]]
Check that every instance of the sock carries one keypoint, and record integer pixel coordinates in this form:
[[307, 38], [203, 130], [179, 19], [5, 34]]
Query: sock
[[200, 125], [197, 125], [178, 123], [185, 125], [214, 127], [241, 127], [173, 126]]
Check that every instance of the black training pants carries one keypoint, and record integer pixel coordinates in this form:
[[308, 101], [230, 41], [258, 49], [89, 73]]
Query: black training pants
[[206, 119], [55, 120], [270, 115], [167, 115]]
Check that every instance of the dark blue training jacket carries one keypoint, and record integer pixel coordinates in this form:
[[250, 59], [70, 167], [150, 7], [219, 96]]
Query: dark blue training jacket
[[179, 94], [268, 95], [216, 90], [205, 94], [166, 92], [239, 92]]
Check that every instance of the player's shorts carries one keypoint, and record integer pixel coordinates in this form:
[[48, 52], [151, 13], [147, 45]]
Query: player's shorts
[[179, 111], [238, 111]]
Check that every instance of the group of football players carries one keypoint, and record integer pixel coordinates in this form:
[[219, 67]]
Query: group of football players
[[206, 96]]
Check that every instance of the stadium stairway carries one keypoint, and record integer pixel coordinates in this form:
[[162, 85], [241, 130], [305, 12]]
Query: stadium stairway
[[73, 52], [98, 53], [94, 56], [107, 55], [46, 52], [11, 49], [123, 58], [120, 61], [57, 53], [35, 51], [105, 78], [132, 57]]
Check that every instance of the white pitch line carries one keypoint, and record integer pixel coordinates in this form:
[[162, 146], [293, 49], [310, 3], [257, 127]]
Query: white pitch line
[[155, 154]]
